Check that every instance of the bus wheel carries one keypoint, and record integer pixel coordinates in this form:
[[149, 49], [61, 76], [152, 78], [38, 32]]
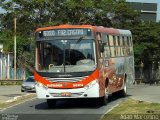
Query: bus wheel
[[123, 92], [104, 99], [51, 103]]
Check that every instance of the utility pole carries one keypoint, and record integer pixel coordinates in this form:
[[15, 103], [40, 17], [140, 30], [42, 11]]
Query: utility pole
[[15, 46]]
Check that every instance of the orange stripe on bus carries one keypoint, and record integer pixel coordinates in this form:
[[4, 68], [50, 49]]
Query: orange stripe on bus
[[80, 84]]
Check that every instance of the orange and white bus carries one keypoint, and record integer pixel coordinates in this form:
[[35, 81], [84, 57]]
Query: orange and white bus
[[82, 61]]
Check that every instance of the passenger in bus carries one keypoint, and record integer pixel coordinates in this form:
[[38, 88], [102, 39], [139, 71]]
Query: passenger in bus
[[51, 58], [55, 57]]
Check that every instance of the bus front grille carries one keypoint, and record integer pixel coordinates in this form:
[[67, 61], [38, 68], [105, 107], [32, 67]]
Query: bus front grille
[[75, 79]]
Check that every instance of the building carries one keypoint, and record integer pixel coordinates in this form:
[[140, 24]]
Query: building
[[150, 9]]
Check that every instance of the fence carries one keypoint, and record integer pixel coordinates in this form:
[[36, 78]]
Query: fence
[[7, 70], [149, 74]]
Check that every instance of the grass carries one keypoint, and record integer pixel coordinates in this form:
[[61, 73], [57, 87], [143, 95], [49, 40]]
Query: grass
[[5, 83], [134, 110], [19, 100]]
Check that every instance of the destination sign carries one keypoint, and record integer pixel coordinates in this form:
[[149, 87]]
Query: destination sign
[[66, 32]]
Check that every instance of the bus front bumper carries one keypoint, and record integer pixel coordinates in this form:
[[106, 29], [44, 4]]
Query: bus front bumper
[[89, 91]]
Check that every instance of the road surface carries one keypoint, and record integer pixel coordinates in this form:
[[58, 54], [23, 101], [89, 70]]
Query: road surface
[[65, 110]]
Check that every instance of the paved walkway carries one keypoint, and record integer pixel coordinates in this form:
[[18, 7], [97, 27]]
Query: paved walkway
[[150, 93], [8, 93]]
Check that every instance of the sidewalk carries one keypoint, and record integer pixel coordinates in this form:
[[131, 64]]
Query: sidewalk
[[12, 93], [145, 92]]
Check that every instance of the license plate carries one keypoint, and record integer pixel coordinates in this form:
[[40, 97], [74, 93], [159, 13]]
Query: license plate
[[66, 94], [28, 88]]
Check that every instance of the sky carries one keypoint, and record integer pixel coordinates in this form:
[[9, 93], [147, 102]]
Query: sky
[[1, 10]]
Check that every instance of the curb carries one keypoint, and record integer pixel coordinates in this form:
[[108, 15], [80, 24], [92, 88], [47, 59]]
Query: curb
[[27, 96], [110, 110], [142, 100], [17, 100]]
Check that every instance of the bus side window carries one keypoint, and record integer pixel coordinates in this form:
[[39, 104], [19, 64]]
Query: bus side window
[[114, 42], [98, 36], [122, 45], [106, 47], [117, 51], [119, 48], [131, 42], [128, 41], [99, 39], [131, 46], [111, 46], [128, 46]]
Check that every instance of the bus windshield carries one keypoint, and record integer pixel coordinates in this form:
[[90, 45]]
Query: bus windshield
[[66, 55]]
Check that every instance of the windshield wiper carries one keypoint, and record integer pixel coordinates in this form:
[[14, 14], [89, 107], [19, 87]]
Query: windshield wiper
[[81, 38]]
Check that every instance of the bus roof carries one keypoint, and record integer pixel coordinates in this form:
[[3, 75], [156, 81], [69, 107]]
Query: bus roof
[[64, 26], [112, 31], [124, 32], [107, 30]]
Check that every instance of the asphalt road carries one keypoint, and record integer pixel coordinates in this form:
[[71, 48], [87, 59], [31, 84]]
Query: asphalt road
[[65, 110]]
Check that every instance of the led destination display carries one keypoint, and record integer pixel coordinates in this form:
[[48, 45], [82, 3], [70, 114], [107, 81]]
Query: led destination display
[[67, 32]]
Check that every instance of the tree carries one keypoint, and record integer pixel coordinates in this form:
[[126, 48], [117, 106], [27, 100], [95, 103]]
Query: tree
[[146, 40], [31, 14]]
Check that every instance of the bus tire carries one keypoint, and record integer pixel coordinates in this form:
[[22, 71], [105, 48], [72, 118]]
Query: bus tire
[[51, 103], [104, 99], [123, 92]]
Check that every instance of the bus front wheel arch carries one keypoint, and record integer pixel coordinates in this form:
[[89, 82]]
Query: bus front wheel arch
[[123, 92], [104, 99]]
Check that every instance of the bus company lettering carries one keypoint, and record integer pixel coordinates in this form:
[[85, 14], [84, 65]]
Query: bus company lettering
[[57, 85], [78, 85], [49, 33], [64, 32], [70, 32]]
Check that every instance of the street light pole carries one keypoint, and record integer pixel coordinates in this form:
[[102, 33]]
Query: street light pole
[[15, 43]]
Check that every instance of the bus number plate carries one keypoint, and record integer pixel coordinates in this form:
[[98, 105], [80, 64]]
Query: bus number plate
[[66, 94]]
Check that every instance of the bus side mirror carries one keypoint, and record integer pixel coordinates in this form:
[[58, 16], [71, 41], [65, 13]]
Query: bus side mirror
[[101, 47]]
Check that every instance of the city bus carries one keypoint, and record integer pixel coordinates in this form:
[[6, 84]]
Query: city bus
[[82, 61]]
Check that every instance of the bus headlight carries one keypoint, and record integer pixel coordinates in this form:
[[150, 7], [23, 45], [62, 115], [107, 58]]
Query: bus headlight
[[91, 84], [41, 85]]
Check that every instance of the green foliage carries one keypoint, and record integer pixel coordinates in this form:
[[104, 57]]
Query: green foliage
[[138, 51], [7, 40], [9, 82], [146, 40], [32, 14]]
